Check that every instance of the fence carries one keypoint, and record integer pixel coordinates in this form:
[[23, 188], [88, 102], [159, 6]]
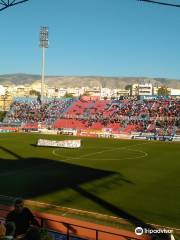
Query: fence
[[75, 231]]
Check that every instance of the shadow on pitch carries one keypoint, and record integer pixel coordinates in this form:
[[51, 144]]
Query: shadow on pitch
[[33, 177]]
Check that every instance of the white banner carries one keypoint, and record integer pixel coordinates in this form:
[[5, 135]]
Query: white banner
[[63, 144]]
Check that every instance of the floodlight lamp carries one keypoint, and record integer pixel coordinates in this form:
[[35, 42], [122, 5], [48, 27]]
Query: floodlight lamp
[[44, 37]]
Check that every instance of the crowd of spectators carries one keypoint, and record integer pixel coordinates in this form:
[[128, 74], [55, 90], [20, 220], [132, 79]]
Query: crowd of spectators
[[36, 112], [155, 115]]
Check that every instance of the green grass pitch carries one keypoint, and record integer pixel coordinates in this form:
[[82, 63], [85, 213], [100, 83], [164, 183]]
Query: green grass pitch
[[131, 179]]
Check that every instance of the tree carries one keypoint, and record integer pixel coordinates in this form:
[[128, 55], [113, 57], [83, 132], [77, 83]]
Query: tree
[[86, 94], [2, 115], [163, 91], [129, 88], [34, 93], [136, 90], [68, 95]]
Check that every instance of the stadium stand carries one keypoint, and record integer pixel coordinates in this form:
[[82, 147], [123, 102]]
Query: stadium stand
[[157, 116], [32, 111]]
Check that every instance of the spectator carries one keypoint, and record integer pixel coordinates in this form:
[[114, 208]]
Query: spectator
[[22, 217], [2, 230], [33, 233], [10, 231]]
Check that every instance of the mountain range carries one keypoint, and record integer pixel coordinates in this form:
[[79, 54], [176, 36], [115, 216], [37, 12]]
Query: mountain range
[[85, 81]]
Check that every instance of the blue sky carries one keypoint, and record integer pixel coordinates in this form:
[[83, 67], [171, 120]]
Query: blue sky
[[92, 38]]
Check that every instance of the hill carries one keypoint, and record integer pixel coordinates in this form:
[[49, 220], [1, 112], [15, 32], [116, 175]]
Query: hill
[[85, 81]]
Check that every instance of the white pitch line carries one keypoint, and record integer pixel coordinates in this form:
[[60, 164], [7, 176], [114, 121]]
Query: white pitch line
[[109, 150]]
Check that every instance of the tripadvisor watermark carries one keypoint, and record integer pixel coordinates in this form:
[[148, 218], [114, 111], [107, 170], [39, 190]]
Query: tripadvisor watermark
[[140, 231]]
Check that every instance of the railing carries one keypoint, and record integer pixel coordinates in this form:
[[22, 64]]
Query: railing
[[69, 226], [97, 232]]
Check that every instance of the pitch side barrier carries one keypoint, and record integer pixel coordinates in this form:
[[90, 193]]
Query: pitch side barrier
[[155, 97], [68, 230], [165, 138]]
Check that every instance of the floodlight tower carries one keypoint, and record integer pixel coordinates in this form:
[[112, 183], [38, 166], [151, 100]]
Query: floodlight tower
[[43, 44]]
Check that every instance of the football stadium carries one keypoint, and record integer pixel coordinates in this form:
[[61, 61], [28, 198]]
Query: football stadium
[[122, 173], [98, 161]]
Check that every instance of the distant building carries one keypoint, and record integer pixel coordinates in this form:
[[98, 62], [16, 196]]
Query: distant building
[[2, 90], [62, 92], [76, 92], [105, 93], [52, 92], [96, 92], [175, 92], [5, 102], [117, 93], [145, 89], [37, 87], [142, 89]]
